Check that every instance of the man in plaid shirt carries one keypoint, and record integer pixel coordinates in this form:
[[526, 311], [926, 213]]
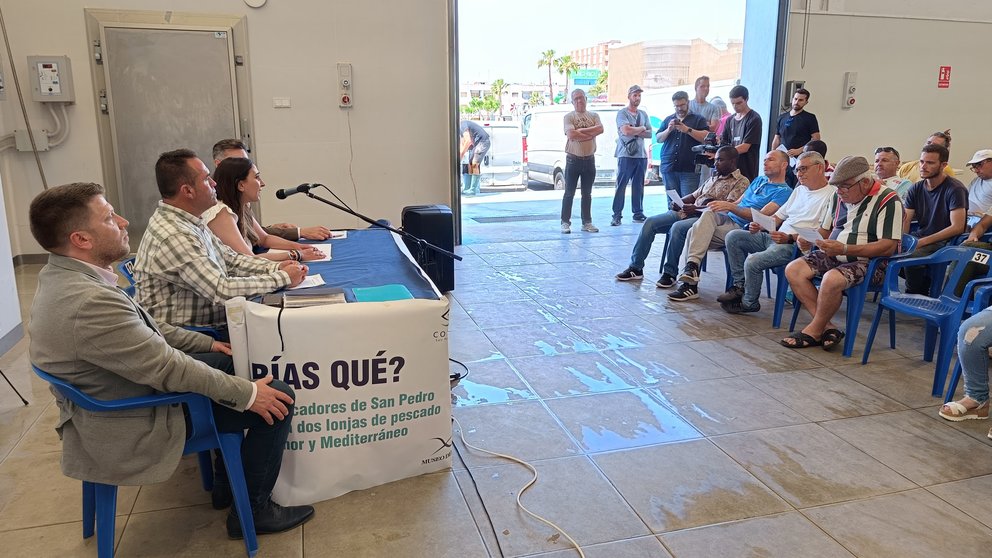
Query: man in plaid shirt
[[184, 273]]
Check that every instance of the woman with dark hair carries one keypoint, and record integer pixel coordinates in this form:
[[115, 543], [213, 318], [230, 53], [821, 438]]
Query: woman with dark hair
[[238, 185]]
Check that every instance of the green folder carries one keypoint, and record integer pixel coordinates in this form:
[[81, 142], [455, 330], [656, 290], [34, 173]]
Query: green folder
[[382, 293]]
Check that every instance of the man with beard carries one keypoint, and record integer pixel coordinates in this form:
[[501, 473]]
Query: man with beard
[[679, 133], [796, 127], [939, 204], [89, 333], [633, 125]]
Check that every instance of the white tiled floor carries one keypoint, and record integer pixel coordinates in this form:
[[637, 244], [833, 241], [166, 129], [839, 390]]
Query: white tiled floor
[[658, 429]]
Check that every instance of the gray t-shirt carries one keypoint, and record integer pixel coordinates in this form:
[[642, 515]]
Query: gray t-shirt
[[706, 109], [624, 116], [478, 134]]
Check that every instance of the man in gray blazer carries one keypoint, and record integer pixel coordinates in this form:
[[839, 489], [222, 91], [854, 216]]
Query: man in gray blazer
[[88, 332]]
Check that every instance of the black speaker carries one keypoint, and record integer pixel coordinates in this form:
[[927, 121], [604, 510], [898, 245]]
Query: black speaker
[[434, 224]]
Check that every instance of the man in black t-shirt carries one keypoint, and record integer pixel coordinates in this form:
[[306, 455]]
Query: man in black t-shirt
[[939, 204], [797, 127], [743, 132]]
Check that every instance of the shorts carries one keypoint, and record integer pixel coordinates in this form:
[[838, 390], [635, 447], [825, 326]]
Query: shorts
[[853, 272]]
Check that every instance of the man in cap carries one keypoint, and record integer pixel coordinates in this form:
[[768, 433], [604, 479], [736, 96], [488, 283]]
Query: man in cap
[[864, 221], [633, 125], [980, 189]]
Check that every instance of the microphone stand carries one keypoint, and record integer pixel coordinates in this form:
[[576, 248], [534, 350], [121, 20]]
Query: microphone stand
[[415, 239]]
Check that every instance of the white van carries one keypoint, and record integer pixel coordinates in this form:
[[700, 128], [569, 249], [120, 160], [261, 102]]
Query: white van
[[544, 135], [503, 166]]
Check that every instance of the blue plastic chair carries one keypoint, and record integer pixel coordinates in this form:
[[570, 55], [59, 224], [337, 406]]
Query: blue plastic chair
[[942, 313], [856, 294], [781, 288], [100, 500], [983, 296], [126, 268]]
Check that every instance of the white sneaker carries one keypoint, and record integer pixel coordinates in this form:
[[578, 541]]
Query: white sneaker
[[566, 228], [589, 227]]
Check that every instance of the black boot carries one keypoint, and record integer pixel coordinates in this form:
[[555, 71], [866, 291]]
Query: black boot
[[270, 518]]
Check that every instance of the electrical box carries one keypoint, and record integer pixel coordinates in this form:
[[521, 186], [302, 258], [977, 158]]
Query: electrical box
[[22, 142], [51, 79], [345, 84], [789, 92], [850, 89]]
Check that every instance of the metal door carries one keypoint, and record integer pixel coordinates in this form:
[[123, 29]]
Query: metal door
[[166, 88]]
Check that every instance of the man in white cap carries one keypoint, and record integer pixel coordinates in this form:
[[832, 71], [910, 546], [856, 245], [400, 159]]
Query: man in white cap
[[864, 221], [633, 126], [980, 189]]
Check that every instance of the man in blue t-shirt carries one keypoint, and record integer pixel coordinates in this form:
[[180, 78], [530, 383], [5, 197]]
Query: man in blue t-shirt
[[939, 203], [679, 133], [765, 194]]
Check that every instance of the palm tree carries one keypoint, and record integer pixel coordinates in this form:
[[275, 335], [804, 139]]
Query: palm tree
[[498, 87], [548, 59], [565, 65], [600, 87]]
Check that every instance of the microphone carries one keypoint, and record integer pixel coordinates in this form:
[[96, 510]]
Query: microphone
[[302, 188]]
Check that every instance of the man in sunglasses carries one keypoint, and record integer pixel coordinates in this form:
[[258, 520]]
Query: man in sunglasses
[[980, 189]]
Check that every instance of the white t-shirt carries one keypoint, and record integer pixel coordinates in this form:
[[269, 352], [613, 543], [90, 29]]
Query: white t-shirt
[[215, 210], [805, 208]]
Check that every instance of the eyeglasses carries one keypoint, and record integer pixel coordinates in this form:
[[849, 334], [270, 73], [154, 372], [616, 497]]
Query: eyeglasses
[[886, 150], [847, 186], [805, 168], [974, 166]]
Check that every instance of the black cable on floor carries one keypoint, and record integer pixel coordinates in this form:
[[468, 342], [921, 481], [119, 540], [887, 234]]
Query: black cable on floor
[[479, 494]]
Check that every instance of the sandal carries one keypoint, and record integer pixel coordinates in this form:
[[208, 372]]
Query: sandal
[[802, 340], [956, 411], [831, 338]]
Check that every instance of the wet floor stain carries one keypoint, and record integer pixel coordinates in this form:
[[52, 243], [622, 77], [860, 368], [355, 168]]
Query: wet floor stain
[[635, 420], [477, 393]]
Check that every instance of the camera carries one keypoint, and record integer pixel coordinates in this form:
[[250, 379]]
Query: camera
[[709, 145]]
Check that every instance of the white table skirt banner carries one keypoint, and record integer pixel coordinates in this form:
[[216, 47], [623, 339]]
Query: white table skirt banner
[[373, 399]]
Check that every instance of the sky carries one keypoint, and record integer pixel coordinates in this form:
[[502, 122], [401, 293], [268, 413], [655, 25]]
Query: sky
[[505, 38]]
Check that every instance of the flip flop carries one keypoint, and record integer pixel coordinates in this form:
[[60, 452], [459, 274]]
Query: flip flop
[[831, 338], [802, 341]]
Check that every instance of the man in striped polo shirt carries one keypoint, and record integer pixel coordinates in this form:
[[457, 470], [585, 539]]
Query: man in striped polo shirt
[[864, 221]]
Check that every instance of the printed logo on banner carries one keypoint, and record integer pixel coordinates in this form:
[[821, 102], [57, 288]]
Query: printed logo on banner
[[434, 458], [442, 334]]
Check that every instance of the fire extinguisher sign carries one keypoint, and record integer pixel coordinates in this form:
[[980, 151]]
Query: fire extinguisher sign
[[944, 77]]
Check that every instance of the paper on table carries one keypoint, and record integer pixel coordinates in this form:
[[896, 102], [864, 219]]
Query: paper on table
[[324, 249], [311, 281], [809, 235], [674, 196], [767, 222], [339, 234]]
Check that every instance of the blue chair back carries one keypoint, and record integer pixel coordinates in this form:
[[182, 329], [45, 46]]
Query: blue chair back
[[126, 268], [100, 500]]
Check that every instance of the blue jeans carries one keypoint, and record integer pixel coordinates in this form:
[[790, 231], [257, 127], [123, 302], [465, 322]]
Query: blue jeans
[[584, 169], [654, 225], [749, 256], [677, 233], [684, 183], [630, 169], [974, 340], [261, 452]]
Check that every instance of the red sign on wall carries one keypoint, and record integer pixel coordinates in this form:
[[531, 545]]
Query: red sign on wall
[[944, 77]]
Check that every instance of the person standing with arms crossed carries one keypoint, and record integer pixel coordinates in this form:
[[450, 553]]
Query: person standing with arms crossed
[[581, 129], [633, 125]]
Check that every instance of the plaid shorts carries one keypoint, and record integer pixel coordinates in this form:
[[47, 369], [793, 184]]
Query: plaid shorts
[[853, 272]]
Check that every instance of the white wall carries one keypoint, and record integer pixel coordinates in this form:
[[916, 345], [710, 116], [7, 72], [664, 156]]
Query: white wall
[[897, 59], [400, 137]]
